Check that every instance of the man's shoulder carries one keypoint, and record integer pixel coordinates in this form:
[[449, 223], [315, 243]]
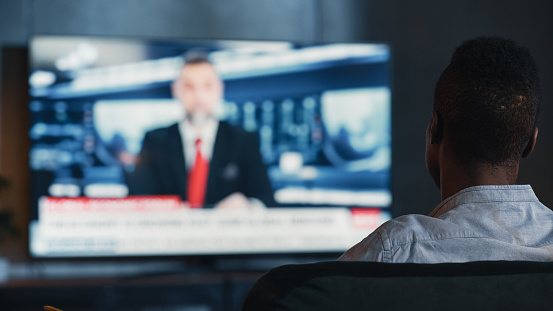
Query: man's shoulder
[[235, 132], [227, 127], [414, 228], [163, 132]]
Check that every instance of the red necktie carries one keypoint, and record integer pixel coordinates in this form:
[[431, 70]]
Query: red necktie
[[197, 178]]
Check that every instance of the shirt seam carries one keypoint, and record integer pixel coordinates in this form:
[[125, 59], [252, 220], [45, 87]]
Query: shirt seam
[[386, 253], [451, 238], [437, 239], [496, 201]]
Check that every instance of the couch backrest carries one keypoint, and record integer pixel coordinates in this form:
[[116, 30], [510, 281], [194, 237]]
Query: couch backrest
[[490, 285]]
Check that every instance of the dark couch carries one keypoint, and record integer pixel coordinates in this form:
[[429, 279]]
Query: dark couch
[[490, 285]]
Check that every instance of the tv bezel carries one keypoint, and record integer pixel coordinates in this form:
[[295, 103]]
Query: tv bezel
[[266, 259]]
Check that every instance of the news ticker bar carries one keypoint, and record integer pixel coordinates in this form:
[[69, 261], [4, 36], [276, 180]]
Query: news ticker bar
[[160, 225]]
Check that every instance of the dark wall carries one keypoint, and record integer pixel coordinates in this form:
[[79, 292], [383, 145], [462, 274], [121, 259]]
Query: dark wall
[[422, 34]]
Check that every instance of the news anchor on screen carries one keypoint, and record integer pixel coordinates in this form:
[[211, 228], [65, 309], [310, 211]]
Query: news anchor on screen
[[207, 162]]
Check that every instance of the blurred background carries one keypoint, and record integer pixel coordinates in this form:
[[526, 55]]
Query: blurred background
[[422, 35]]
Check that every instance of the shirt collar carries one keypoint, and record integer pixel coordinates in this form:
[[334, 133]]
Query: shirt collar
[[191, 133], [482, 194]]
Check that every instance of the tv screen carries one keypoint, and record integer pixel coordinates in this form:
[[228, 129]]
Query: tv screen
[[302, 135]]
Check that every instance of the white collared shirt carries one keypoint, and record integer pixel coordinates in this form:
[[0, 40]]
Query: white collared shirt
[[189, 134]]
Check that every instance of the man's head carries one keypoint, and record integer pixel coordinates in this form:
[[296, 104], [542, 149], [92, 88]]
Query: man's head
[[198, 87], [486, 104]]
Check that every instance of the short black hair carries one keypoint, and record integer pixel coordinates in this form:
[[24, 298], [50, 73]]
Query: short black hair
[[196, 56], [488, 100]]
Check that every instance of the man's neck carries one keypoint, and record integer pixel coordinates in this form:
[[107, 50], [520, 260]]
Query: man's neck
[[456, 177]]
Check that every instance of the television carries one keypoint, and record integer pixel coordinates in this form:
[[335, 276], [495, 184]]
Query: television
[[321, 113]]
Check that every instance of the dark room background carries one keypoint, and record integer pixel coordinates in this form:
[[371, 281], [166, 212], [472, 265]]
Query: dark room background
[[422, 35]]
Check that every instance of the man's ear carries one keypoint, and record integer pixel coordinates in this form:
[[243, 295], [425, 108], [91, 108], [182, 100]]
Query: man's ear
[[531, 143], [436, 128]]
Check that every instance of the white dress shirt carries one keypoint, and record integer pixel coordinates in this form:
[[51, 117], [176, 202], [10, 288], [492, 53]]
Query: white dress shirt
[[189, 134]]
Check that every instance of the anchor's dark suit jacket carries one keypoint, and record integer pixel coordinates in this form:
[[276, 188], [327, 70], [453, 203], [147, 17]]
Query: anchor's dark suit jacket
[[235, 166]]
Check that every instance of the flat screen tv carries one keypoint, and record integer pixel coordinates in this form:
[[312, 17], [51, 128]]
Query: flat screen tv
[[320, 114]]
